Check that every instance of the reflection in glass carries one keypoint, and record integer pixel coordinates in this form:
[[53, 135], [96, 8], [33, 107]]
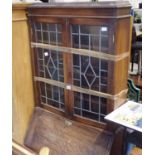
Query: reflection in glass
[[48, 33], [90, 37]]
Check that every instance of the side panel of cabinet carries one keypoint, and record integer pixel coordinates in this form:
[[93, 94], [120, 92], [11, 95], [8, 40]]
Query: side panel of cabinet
[[123, 45], [23, 99], [122, 35]]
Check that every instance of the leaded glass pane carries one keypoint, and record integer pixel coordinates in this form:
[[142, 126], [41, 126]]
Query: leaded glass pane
[[77, 82], [75, 39], [59, 39], [44, 26], [90, 37], [50, 64], [94, 43], [90, 73], [104, 43], [37, 26], [84, 62], [52, 38], [76, 72], [77, 101], [90, 115], [85, 102], [76, 59], [84, 41], [75, 29], [95, 104], [52, 27], [90, 106], [77, 111], [48, 33], [52, 95]]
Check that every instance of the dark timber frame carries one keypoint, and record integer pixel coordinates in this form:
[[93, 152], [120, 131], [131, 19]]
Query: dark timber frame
[[114, 14]]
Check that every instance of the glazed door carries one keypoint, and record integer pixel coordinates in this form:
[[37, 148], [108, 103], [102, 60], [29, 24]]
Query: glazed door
[[71, 76], [48, 63], [93, 37]]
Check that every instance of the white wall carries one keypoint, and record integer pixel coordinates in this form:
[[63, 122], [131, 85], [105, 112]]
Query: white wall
[[20, 1], [135, 3], [71, 0]]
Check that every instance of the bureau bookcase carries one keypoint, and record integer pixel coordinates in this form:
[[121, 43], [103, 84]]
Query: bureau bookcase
[[80, 56]]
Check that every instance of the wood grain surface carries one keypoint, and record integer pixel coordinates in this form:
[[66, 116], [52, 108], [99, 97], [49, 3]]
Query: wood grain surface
[[23, 101], [66, 137]]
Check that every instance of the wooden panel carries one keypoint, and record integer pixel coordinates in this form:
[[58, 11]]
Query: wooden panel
[[121, 75], [123, 35], [48, 20], [67, 69], [66, 137], [23, 101], [107, 9], [118, 79], [89, 21], [18, 149], [18, 15]]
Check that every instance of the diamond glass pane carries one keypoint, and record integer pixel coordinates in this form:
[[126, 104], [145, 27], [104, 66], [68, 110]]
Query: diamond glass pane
[[89, 106], [90, 73], [52, 96], [50, 64]]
